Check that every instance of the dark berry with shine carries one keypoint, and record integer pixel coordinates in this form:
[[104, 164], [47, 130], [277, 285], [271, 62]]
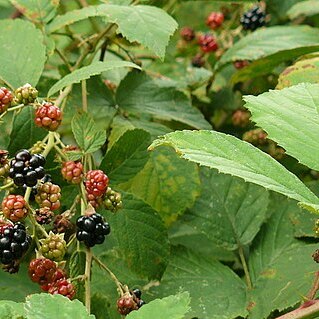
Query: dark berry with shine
[[253, 19]]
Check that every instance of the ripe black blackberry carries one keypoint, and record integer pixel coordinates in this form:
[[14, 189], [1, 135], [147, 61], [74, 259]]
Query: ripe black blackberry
[[14, 242], [92, 229], [26, 169], [253, 19]]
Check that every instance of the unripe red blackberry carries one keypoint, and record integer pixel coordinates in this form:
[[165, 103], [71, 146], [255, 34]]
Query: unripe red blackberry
[[207, 43], [215, 20], [14, 207], [96, 183], [58, 274], [72, 172], [44, 215], [26, 169], [253, 19], [48, 116], [112, 200], [92, 229], [49, 196], [62, 287], [240, 64], [14, 242], [241, 118], [25, 94], [6, 98], [53, 247], [42, 270], [187, 34], [126, 304], [256, 137], [275, 151]]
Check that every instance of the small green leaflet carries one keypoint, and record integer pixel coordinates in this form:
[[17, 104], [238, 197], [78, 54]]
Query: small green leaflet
[[85, 133]]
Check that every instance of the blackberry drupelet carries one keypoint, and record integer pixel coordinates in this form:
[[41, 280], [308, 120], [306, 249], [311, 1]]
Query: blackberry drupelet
[[253, 19]]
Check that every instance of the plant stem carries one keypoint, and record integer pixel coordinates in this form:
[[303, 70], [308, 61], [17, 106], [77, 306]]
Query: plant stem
[[308, 310], [6, 186], [50, 144], [245, 267], [63, 95], [315, 286], [84, 96], [27, 194], [87, 282]]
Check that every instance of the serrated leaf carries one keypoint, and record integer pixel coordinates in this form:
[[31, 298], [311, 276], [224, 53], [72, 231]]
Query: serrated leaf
[[37, 10], [140, 94], [173, 307], [11, 310], [229, 211], [18, 56], [167, 183], [24, 132], [87, 71], [74, 155], [127, 156], [46, 306], [305, 70], [85, 133], [232, 156], [216, 292], [148, 25], [303, 8], [142, 238], [77, 268], [291, 119], [281, 267]]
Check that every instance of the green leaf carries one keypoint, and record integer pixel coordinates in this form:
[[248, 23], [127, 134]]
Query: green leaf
[[172, 307], [142, 238], [127, 156], [305, 70], [148, 25], [87, 71], [37, 10], [11, 310], [291, 119], [304, 8], [46, 306], [77, 268], [232, 156], [22, 55], [166, 183], [85, 133], [140, 94], [24, 132], [281, 267], [229, 211], [216, 291]]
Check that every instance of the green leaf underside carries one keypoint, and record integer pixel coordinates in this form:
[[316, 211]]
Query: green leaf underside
[[291, 119], [172, 307], [24, 131], [85, 133], [304, 8], [37, 10], [229, 211], [232, 156], [87, 71], [17, 56], [11, 310], [167, 183], [281, 267], [140, 94], [127, 156], [303, 71], [216, 291], [150, 26], [46, 306], [142, 237]]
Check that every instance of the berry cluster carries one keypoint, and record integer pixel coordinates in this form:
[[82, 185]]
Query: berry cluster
[[4, 163], [53, 247], [256, 137], [14, 242], [96, 183], [253, 19], [49, 196], [72, 172], [129, 302], [187, 34], [51, 278], [14, 207], [44, 215], [25, 94], [207, 43], [215, 20], [92, 229], [48, 116], [241, 118], [112, 200], [6, 98], [26, 169]]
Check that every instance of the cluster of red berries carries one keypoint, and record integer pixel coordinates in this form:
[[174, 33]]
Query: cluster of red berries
[[51, 278], [48, 116], [6, 98], [129, 302]]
